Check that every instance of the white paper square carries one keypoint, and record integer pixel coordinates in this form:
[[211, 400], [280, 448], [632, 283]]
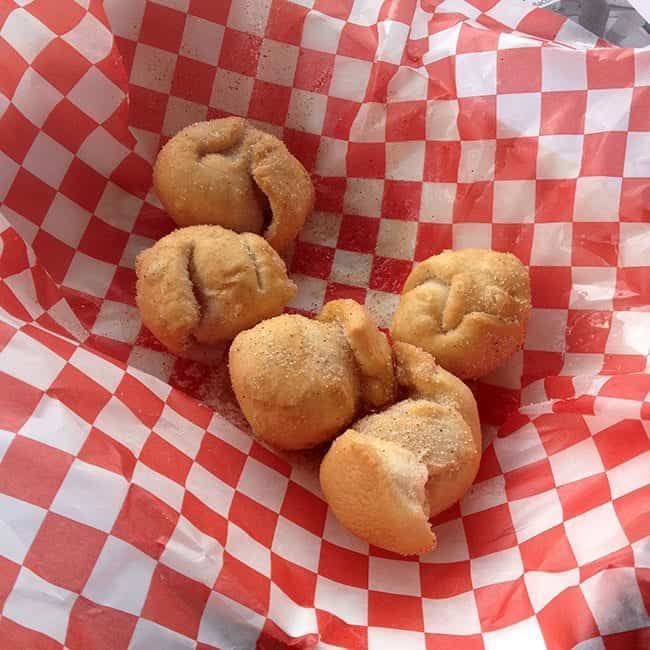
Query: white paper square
[[262, 484], [311, 293], [484, 495], [226, 623], [209, 489], [637, 155], [231, 92], [89, 275], [350, 78], [307, 112], [331, 158], [452, 544], [364, 13], [117, 320], [134, 246], [524, 634], [247, 550], [533, 515], [548, 331], [32, 594], [442, 120], [202, 40], [437, 202], [90, 38], [363, 196], [394, 576], [392, 36], [321, 32], [121, 577], [381, 306], [576, 462], [179, 432], [351, 268], [277, 62], [471, 235], [563, 69], [125, 18], [296, 621], [559, 156], [30, 87], [396, 239], [445, 43], [476, 160], [455, 615], [588, 546], [634, 245], [66, 220], [407, 84], [26, 34], [369, 124], [552, 244], [514, 202], [181, 113], [347, 603], [103, 372], [405, 160], [96, 95], [250, 17], [544, 586], [597, 198], [159, 485], [148, 634], [18, 527], [592, 287], [153, 68], [493, 568], [22, 284], [518, 115], [118, 207], [384, 638], [629, 333], [608, 110], [476, 74], [519, 448], [102, 151], [47, 160], [629, 476], [119, 422], [576, 36], [8, 171], [296, 544]]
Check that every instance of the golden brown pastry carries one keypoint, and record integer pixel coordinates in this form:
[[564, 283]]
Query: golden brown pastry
[[300, 381], [226, 172], [200, 286], [388, 474], [468, 308]]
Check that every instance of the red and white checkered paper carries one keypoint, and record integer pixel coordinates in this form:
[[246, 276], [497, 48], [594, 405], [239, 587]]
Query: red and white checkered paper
[[133, 515]]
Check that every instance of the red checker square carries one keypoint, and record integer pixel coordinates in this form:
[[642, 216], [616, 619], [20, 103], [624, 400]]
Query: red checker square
[[313, 260], [221, 459], [442, 76], [635, 387], [489, 467], [190, 408], [473, 202], [477, 118], [339, 116], [445, 580], [541, 23], [503, 604], [639, 114], [567, 620], [175, 601], [6, 334], [147, 108], [398, 10], [79, 393], [548, 551], [116, 350], [273, 636], [358, 41], [17, 637], [145, 521], [587, 330], [395, 611], [313, 70], [61, 65], [472, 39], [339, 633], [285, 22], [165, 459], [623, 557], [162, 27], [559, 388], [104, 451], [46, 289], [496, 403], [329, 193], [633, 513], [358, 234], [563, 112], [336, 291], [14, 258], [401, 200], [51, 15], [17, 399], [61, 347], [389, 274], [529, 480], [304, 146], [515, 159], [270, 459], [122, 288], [335, 8], [558, 431], [366, 159], [342, 565], [53, 254], [610, 68], [595, 244], [13, 68], [193, 80], [133, 174], [8, 574], [621, 442], [91, 626], [519, 70], [635, 200], [243, 584], [153, 222], [453, 642], [57, 125], [513, 238], [579, 496], [12, 304], [583, 404], [380, 75], [550, 286], [18, 134], [29, 196], [441, 160], [632, 639], [623, 363], [269, 102], [204, 518], [603, 154], [85, 307], [64, 552], [405, 121], [489, 531], [304, 508], [103, 241], [84, 186], [254, 518], [32, 471], [298, 583], [432, 238], [554, 200], [216, 12], [126, 48], [240, 52]]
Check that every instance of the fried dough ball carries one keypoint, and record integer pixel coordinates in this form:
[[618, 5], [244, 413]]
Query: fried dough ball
[[468, 308], [200, 286], [226, 172], [299, 381], [391, 471]]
